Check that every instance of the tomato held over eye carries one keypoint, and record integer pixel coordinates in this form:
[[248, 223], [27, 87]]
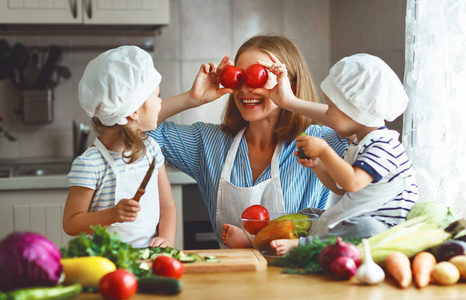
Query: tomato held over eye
[[231, 77], [118, 285], [259, 217], [256, 76], [167, 266]]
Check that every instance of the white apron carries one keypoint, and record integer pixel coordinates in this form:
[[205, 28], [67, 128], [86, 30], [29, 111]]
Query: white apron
[[233, 200], [352, 204], [139, 232]]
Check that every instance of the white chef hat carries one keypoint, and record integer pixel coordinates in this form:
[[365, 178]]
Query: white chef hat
[[116, 83], [366, 89]]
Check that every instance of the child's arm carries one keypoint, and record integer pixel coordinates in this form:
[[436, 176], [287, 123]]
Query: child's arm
[[321, 172], [77, 219], [351, 179], [205, 89], [168, 216], [282, 94]]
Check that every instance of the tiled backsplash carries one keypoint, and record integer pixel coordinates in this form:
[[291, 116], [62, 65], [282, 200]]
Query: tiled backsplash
[[203, 31]]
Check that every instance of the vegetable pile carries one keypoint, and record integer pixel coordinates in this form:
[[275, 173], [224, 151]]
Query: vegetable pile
[[430, 246]]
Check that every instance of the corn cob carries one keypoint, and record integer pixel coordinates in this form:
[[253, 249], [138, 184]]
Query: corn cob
[[410, 237]]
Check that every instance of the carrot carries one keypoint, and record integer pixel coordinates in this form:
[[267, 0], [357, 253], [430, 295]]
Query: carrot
[[423, 264], [398, 266]]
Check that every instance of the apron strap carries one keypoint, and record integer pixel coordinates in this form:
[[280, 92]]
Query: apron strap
[[107, 156], [228, 165]]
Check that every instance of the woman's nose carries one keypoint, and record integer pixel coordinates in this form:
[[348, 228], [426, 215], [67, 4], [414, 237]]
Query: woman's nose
[[244, 87]]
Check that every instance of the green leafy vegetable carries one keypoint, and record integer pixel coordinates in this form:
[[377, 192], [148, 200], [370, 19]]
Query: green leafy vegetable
[[305, 259], [109, 245]]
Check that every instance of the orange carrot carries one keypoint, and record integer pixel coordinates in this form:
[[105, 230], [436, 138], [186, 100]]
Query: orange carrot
[[398, 266], [423, 264]]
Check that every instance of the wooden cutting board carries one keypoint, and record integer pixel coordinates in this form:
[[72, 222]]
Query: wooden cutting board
[[231, 260]]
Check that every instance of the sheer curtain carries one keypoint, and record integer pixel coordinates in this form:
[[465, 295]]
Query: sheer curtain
[[434, 132]]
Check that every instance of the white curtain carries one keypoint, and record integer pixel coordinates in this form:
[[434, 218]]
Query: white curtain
[[434, 131]]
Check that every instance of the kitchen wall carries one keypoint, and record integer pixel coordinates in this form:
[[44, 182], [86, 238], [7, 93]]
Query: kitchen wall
[[203, 31]]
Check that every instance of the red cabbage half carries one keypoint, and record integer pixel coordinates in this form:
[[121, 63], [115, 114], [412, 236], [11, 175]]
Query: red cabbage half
[[28, 259]]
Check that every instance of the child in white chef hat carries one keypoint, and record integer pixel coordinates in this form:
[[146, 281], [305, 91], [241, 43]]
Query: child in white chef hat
[[373, 184], [120, 91]]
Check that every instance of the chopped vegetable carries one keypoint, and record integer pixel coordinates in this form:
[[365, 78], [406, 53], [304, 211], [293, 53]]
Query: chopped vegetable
[[109, 245], [369, 272], [43, 293], [445, 273], [28, 259], [399, 267], [423, 264]]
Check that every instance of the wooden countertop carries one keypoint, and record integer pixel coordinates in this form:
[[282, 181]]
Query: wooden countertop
[[272, 284]]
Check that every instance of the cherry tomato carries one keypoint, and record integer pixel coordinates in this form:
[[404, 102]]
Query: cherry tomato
[[117, 285], [231, 77], [167, 266], [258, 213], [256, 76]]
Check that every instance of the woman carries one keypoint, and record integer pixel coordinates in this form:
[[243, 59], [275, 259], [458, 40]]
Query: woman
[[249, 158]]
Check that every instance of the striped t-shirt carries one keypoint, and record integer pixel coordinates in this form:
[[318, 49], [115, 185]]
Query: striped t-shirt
[[91, 170], [200, 150], [383, 157]]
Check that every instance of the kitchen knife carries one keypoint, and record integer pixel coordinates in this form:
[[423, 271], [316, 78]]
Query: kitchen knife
[[142, 187]]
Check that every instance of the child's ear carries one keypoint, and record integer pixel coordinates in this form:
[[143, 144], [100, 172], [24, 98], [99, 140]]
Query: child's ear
[[134, 116]]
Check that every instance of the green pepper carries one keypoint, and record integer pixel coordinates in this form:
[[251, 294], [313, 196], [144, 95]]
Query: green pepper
[[301, 151], [273, 231], [42, 293], [300, 225]]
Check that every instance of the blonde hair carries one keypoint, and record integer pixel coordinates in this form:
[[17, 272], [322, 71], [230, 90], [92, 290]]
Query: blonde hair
[[290, 124], [133, 140]]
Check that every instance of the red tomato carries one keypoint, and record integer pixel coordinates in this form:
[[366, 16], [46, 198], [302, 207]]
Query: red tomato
[[167, 266], [231, 77], [255, 212], [117, 285], [256, 76]]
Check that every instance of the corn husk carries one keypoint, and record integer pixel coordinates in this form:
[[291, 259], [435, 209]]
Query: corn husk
[[410, 237]]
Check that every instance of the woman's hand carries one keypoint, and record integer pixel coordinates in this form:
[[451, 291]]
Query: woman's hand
[[282, 93], [126, 210], [206, 87]]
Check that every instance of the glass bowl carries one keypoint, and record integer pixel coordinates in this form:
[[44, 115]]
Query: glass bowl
[[280, 226]]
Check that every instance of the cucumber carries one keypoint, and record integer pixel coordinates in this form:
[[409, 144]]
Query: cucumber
[[155, 284], [42, 293]]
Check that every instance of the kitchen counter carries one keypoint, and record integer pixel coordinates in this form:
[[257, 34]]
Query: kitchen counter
[[272, 284], [175, 176]]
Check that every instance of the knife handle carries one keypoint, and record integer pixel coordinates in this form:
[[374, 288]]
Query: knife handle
[[139, 194]]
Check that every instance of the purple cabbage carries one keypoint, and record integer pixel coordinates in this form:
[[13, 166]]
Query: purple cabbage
[[28, 259]]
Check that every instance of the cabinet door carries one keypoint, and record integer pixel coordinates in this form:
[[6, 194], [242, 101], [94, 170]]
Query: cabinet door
[[40, 12], [130, 12]]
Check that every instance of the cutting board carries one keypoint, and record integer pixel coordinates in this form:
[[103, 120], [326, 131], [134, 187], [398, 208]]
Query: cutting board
[[231, 260]]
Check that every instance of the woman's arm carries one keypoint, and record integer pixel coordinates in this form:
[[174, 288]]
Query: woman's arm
[[205, 89], [168, 215], [77, 219]]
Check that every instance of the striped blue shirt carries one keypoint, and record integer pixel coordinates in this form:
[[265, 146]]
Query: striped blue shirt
[[91, 170], [200, 150], [383, 157]]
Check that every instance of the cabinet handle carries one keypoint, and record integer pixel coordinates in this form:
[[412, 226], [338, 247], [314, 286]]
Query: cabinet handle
[[74, 8], [89, 9]]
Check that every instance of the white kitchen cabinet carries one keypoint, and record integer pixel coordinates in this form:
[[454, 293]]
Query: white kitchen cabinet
[[87, 12], [41, 210]]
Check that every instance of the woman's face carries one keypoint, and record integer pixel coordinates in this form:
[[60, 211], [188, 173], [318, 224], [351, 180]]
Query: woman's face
[[254, 107]]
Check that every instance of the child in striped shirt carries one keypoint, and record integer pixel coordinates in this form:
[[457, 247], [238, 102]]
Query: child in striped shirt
[[373, 184]]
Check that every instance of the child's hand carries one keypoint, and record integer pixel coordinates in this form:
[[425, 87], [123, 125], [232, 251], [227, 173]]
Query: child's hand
[[206, 87], [282, 92], [308, 163], [160, 242], [312, 146], [126, 210]]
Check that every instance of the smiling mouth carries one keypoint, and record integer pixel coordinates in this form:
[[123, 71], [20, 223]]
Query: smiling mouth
[[251, 101]]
